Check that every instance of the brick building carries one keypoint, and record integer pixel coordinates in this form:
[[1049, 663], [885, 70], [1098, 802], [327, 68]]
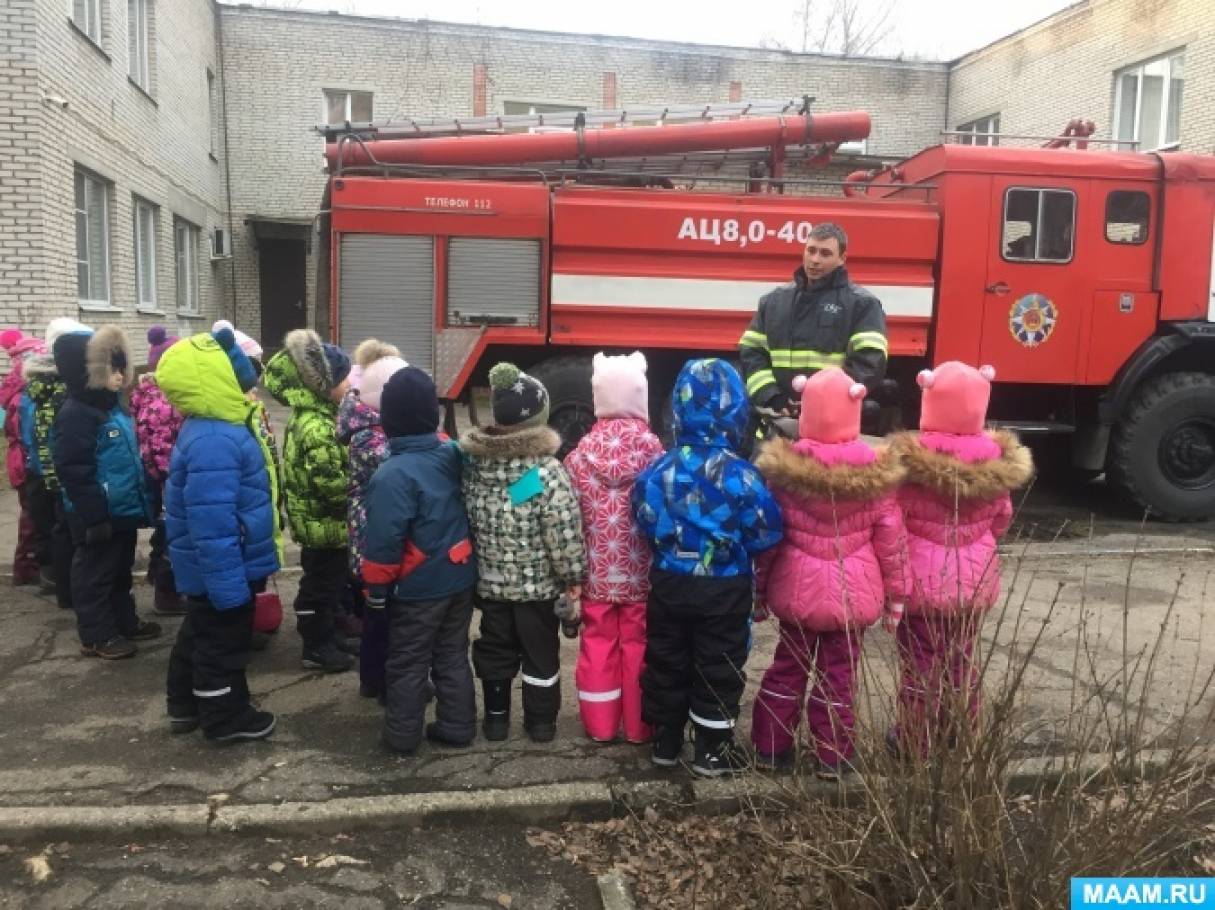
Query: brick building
[[135, 129], [1144, 70]]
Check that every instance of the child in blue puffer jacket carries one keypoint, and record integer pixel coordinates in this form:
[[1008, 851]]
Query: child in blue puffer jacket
[[104, 495], [706, 513], [221, 520]]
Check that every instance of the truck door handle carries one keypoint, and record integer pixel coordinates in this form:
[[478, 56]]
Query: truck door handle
[[999, 287]]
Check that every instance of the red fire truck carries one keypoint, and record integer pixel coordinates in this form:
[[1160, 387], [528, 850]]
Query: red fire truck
[[1084, 276]]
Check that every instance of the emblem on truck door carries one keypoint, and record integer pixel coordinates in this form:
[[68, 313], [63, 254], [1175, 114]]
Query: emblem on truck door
[[1032, 320]]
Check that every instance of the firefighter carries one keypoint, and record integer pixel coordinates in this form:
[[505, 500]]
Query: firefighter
[[819, 320]]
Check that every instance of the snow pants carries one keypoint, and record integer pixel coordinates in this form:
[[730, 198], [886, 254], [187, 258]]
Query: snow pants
[[611, 655]]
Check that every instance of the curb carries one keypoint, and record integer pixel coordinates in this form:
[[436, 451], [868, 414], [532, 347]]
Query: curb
[[529, 805]]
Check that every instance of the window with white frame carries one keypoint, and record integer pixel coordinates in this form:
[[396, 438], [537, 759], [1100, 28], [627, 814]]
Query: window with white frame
[[87, 16], [185, 251], [1147, 102], [92, 239], [342, 106], [145, 254], [984, 131], [138, 67]]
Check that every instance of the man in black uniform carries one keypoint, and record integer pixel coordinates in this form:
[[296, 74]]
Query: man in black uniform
[[820, 320]]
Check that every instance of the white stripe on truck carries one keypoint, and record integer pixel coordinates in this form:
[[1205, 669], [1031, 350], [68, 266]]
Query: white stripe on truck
[[709, 294]]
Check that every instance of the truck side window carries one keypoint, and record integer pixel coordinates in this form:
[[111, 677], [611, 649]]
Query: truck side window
[[1039, 225], [1126, 216]]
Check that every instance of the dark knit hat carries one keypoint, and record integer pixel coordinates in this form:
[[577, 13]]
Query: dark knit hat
[[409, 405], [159, 341], [246, 375], [339, 362], [518, 401]]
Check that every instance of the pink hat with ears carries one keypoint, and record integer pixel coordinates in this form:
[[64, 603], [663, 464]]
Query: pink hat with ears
[[955, 398], [619, 387], [831, 406]]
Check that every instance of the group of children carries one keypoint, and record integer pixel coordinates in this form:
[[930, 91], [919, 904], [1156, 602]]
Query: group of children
[[666, 557]]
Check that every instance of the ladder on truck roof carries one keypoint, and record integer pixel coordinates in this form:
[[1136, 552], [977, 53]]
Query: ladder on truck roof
[[652, 115], [682, 168]]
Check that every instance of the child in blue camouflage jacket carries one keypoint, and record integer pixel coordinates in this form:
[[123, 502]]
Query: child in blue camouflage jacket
[[706, 513]]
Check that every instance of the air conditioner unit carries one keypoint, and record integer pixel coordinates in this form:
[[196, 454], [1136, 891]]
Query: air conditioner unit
[[221, 244]]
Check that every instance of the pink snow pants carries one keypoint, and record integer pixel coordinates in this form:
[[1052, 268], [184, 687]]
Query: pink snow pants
[[940, 679], [832, 658], [608, 675]]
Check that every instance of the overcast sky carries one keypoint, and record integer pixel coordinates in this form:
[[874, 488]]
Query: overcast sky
[[933, 29]]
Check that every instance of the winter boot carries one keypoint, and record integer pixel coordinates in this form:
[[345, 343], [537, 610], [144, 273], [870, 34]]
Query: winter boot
[[717, 755], [183, 720], [167, 602], [145, 631], [258, 725], [435, 735], [327, 657], [496, 725], [117, 648], [781, 761], [539, 731], [668, 744]]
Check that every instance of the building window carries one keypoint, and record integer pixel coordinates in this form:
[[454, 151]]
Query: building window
[[137, 43], [185, 250], [984, 131], [87, 16], [342, 106], [1126, 216], [145, 255], [539, 107], [1039, 225], [1147, 102], [92, 240], [212, 113]]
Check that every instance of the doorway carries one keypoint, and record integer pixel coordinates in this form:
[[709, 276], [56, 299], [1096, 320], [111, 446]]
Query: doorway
[[284, 288]]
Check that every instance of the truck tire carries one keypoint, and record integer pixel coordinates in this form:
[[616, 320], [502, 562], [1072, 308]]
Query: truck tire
[[1162, 455], [571, 406]]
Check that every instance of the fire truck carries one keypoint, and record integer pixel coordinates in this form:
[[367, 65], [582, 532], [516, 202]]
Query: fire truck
[[1083, 274]]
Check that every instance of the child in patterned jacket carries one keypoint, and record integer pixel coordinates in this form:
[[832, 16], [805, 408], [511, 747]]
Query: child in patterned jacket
[[603, 467], [360, 428], [527, 533], [157, 424]]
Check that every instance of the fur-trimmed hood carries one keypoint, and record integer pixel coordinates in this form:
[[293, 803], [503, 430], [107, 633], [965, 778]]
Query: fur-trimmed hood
[[950, 476], [536, 442], [298, 376], [85, 362], [307, 352], [804, 475], [106, 352], [41, 366]]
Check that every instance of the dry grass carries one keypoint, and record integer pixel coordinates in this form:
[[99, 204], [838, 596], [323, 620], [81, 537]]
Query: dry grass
[[1129, 793]]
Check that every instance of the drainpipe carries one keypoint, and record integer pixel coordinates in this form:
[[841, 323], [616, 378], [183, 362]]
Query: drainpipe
[[223, 106]]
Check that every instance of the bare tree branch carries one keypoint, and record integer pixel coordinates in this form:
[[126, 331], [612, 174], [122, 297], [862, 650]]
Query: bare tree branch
[[852, 28]]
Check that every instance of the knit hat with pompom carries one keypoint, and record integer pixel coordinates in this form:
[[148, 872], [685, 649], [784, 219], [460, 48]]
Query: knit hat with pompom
[[518, 401], [159, 341]]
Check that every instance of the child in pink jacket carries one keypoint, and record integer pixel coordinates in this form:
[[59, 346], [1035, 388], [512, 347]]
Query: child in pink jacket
[[842, 559], [603, 467], [956, 506], [31, 555], [157, 424]]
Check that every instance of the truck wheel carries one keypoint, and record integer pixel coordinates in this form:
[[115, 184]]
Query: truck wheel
[[571, 406], [1162, 453]]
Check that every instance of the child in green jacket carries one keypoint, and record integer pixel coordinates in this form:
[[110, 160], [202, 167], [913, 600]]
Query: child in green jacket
[[311, 376]]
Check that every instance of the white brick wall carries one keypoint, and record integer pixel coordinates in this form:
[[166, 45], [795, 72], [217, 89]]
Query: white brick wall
[[153, 144], [1064, 67]]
